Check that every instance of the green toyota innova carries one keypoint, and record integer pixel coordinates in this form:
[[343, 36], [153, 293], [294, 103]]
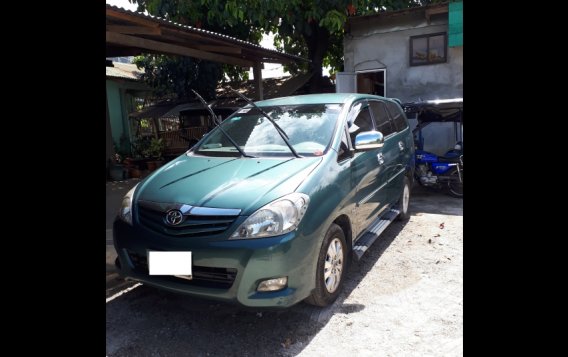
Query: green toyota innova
[[269, 208]]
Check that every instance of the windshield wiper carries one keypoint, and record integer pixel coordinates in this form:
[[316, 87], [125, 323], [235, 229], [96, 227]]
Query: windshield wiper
[[278, 128], [219, 124]]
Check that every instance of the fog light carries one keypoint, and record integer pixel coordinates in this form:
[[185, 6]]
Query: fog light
[[273, 284]]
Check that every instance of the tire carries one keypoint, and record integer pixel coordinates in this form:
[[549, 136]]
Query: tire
[[334, 252], [404, 201], [455, 188]]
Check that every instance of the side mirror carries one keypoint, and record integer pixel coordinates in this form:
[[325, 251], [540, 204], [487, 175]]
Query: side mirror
[[368, 140]]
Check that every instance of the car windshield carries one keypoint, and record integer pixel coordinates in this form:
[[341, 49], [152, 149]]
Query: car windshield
[[309, 127]]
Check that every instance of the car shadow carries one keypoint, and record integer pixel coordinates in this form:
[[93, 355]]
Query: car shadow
[[149, 321]]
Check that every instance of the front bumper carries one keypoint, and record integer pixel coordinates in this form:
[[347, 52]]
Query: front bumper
[[226, 270]]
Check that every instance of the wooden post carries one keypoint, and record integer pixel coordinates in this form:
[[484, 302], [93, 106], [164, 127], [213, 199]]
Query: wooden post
[[109, 142], [257, 72]]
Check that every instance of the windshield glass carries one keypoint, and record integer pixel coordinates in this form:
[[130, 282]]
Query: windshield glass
[[309, 127]]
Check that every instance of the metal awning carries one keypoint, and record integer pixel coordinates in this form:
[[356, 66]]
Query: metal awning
[[154, 111], [131, 33], [440, 110]]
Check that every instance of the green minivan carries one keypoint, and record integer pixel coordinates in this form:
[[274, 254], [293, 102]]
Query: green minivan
[[269, 208]]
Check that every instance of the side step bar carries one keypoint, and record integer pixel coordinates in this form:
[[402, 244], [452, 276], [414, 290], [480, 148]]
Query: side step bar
[[373, 232]]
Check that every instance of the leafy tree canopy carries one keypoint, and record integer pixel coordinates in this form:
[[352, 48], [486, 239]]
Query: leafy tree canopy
[[311, 29]]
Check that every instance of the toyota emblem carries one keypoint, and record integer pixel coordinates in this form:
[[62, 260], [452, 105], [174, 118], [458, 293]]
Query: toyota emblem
[[174, 217]]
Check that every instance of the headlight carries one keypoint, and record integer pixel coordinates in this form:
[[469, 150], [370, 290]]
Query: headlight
[[125, 212], [276, 218]]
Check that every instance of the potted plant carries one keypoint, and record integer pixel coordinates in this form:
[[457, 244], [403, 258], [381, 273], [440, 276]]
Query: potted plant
[[140, 152], [155, 151], [116, 168], [134, 172], [131, 168]]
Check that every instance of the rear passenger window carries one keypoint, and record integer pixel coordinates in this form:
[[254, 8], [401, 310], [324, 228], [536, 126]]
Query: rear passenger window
[[382, 119], [362, 123], [397, 116]]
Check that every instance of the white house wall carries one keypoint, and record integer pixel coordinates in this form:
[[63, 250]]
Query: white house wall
[[386, 46]]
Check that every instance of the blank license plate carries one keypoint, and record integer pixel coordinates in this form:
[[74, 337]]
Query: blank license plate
[[170, 263]]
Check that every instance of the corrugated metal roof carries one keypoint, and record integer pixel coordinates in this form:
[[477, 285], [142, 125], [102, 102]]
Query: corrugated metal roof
[[154, 111], [273, 87], [192, 29], [124, 70], [391, 13]]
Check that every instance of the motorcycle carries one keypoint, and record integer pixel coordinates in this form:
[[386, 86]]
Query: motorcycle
[[431, 170], [441, 171]]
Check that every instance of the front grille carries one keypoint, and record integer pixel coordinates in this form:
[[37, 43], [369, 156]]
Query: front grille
[[192, 225], [206, 277]]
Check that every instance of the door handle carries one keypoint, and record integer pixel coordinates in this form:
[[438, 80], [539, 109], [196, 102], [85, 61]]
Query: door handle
[[401, 145], [381, 158]]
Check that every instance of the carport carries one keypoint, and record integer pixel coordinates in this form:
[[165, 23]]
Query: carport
[[131, 33]]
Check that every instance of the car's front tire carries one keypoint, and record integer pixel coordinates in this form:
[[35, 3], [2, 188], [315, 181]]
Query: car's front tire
[[331, 267]]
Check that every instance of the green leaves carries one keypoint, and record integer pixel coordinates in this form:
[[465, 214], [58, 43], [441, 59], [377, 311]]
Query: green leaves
[[177, 75], [333, 21], [306, 28]]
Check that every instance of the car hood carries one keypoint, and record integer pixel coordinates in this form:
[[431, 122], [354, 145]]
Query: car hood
[[243, 183]]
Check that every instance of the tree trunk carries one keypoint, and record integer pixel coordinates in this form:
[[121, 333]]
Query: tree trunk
[[317, 42]]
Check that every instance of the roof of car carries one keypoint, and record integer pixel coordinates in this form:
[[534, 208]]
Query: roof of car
[[317, 99]]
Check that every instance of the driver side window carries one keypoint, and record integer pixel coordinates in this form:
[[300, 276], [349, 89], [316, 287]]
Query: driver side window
[[362, 122]]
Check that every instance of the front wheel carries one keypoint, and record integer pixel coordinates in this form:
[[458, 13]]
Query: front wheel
[[330, 269], [455, 184]]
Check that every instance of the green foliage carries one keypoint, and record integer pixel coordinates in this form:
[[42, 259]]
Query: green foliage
[[168, 75], [156, 148], [173, 75], [140, 147], [311, 29], [333, 21], [145, 123], [334, 57], [148, 147], [122, 149]]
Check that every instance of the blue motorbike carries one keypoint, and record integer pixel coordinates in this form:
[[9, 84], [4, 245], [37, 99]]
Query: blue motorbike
[[431, 170], [441, 171]]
